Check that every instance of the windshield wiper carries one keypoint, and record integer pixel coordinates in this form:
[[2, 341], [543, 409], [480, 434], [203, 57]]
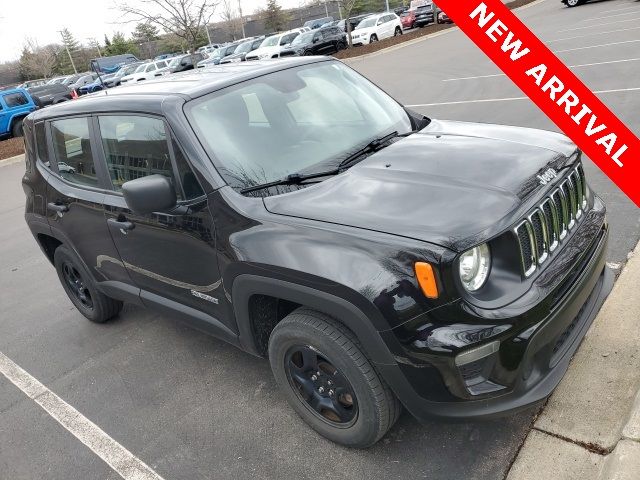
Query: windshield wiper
[[297, 178], [291, 179]]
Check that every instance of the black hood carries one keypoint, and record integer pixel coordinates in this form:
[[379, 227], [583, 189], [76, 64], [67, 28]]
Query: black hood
[[450, 182]]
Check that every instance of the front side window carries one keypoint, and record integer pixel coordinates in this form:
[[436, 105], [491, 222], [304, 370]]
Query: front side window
[[16, 99], [72, 148], [136, 146], [305, 120]]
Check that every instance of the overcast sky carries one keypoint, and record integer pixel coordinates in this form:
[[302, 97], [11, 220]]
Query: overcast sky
[[42, 19]]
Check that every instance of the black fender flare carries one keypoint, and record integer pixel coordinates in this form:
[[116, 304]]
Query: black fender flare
[[246, 285]]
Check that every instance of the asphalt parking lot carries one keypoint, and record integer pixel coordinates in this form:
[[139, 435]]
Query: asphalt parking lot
[[192, 407]]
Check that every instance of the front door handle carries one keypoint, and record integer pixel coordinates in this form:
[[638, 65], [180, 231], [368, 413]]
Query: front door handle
[[58, 207], [123, 225]]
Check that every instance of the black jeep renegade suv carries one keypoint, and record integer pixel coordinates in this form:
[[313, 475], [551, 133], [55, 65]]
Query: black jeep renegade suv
[[295, 210]]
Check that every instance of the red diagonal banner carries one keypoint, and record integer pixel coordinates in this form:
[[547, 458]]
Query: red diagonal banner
[[553, 87]]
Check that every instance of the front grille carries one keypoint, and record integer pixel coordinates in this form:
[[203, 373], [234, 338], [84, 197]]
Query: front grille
[[540, 233]]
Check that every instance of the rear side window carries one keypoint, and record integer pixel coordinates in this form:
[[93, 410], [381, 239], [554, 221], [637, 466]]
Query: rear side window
[[137, 146], [16, 99], [72, 147]]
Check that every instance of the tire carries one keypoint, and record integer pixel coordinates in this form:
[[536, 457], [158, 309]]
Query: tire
[[93, 304], [374, 38], [574, 3], [366, 405], [16, 128], [397, 32], [307, 53], [341, 46]]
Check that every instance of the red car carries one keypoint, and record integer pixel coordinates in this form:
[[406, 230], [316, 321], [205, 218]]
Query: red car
[[408, 19]]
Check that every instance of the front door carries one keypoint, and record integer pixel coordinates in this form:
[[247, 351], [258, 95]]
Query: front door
[[169, 255], [75, 193]]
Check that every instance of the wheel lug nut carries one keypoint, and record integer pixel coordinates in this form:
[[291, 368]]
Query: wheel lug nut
[[331, 392], [321, 389], [329, 382], [314, 378]]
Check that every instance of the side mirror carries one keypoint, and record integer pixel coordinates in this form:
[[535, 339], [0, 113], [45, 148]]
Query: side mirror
[[153, 193]]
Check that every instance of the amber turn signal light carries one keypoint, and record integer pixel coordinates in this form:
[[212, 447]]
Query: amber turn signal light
[[427, 279]]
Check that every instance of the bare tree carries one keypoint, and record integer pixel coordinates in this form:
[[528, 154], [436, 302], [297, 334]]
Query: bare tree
[[37, 61], [185, 19], [230, 19]]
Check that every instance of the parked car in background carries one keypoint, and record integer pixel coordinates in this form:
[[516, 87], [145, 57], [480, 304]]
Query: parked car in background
[[112, 63], [50, 94], [324, 41], [56, 80], [424, 15], [376, 27], [15, 105], [318, 22], [33, 83], [146, 71], [218, 54], [115, 79], [271, 46], [354, 21], [83, 80], [444, 18], [207, 49], [185, 62], [97, 85], [408, 19], [240, 53]]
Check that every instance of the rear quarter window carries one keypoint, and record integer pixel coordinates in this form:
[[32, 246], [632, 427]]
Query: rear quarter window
[[16, 99]]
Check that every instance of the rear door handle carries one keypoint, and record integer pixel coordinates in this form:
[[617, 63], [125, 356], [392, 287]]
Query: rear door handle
[[123, 225], [57, 207]]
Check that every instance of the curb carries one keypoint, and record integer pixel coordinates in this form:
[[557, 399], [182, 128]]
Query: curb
[[11, 160], [590, 426], [408, 43]]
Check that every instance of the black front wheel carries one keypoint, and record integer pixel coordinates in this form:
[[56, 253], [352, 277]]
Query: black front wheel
[[328, 380], [397, 32], [374, 38], [81, 289], [574, 3]]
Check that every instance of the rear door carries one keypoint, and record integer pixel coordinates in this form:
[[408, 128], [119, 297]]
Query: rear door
[[75, 192], [169, 255]]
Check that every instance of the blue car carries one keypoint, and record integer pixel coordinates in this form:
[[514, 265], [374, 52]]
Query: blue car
[[15, 104]]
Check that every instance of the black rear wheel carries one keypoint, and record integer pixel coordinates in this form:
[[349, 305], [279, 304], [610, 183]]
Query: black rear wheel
[[16, 129], [574, 3], [81, 289], [397, 32], [328, 380]]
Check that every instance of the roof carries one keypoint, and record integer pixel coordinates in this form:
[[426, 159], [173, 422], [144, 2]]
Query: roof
[[187, 85]]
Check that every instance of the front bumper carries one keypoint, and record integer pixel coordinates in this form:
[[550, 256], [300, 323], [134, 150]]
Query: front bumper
[[535, 350]]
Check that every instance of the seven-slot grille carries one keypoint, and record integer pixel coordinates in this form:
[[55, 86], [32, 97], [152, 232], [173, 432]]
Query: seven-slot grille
[[540, 233]]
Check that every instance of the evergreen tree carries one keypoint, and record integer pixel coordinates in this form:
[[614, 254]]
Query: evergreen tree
[[120, 45], [66, 59], [275, 19], [145, 32]]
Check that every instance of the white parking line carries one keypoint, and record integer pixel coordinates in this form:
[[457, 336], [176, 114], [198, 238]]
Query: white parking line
[[570, 66], [509, 99], [635, 11], [596, 46], [591, 35], [127, 465], [620, 9], [600, 25]]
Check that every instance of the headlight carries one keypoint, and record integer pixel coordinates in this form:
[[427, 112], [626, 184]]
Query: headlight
[[474, 267]]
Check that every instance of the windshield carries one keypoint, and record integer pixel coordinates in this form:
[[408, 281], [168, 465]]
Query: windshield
[[244, 47], [367, 22], [175, 62], [305, 119], [270, 42], [127, 70], [303, 38], [141, 68]]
